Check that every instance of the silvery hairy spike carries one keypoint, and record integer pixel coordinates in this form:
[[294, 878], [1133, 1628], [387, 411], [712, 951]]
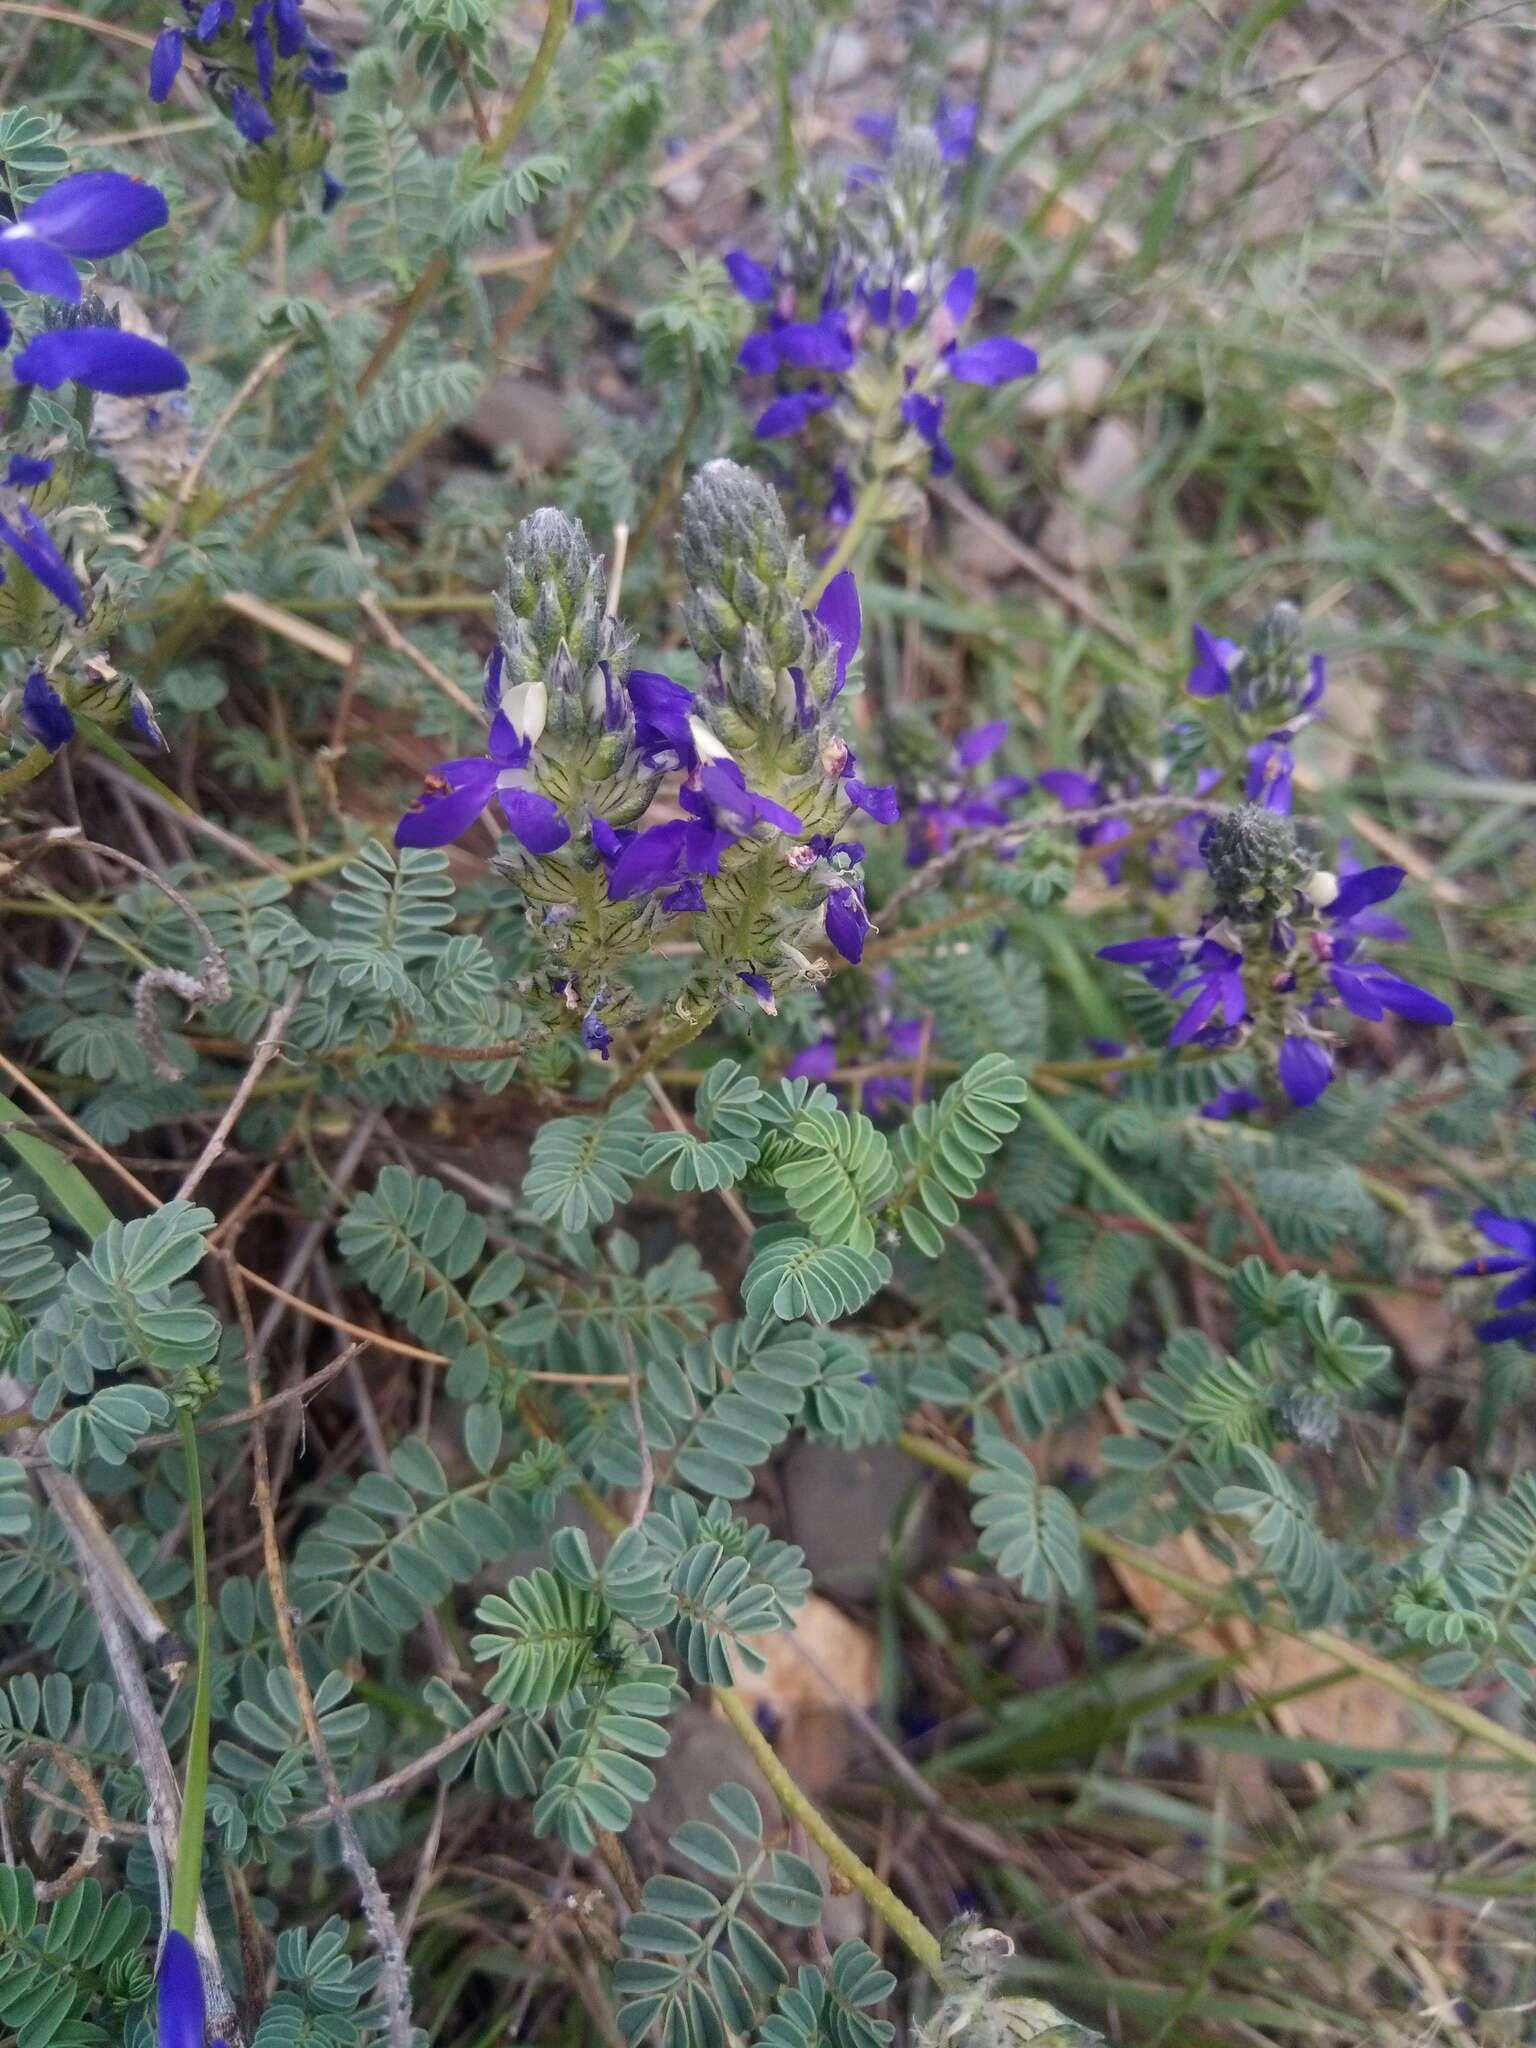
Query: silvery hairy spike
[[1272, 675], [553, 595], [1255, 864], [749, 581]]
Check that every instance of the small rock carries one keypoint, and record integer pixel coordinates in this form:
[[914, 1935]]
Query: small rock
[[685, 190], [823, 1662], [522, 422], [843, 1509], [704, 1754], [1077, 387], [847, 58], [1093, 525]]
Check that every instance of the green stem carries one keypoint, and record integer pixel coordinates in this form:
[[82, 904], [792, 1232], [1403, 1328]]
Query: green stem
[[852, 534], [556, 22], [30, 766], [1092, 1163], [1364, 1663], [258, 238], [186, 1883], [901, 1920]]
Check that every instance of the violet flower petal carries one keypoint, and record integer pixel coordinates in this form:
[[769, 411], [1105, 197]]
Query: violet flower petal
[[535, 819], [1517, 1233], [95, 213], [876, 800], [179, 2007], [454, 795], [1305, 1070], [748, 276], [997, 360], [164, 63], [28, 541], [101, 358], [44, 713], [980, 744]]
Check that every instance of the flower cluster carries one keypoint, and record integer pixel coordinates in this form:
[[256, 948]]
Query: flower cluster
[[82, 218], [1269, 690], [951, 790], [268, 72], [863, 320], [1283, 944], [580, 742]]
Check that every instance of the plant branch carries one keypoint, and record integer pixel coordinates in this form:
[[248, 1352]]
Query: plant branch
[[900, 1918]]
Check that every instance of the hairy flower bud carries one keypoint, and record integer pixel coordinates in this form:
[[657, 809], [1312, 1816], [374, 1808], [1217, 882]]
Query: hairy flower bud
[[1273, 676], [550, 609], [1255, 863], [773, 667]]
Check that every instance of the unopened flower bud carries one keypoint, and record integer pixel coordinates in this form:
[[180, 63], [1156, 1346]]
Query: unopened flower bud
[[1255, 864]]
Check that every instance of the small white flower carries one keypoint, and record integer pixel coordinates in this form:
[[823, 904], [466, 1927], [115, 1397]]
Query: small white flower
[[1321, 888], [706, 745], [527, 708]]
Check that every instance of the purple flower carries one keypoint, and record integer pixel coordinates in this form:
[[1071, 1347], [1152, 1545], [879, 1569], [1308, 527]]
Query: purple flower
[[847, 922], [998, 360], [1230, 1102], [1215, 661], [722, 800], [101, 358], [22, 472], [687, 896], [588, 10], [1216, 985], [813, 1062], [877, 800], [1517, 1234], [822, 344], [972, 748], [1305, 1069], [926, 416], [322, 74], [880, 129], [92, 214], [789, 413], [44, 713], [595, 1035], [839, 614], [1162, 960], [1359, 890], [762, 988], [332, 190], [1270, 769], [1317, 682], [216, 15], [1072, 789], [456, 792], [141, 716], [954, 129], [179, 2009], [250, 117], [662, 710], [839, 506], [259, 35], [748, 276], [28, 541], [164, 63], [656, 858], [288, 25], [1370, 990]]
